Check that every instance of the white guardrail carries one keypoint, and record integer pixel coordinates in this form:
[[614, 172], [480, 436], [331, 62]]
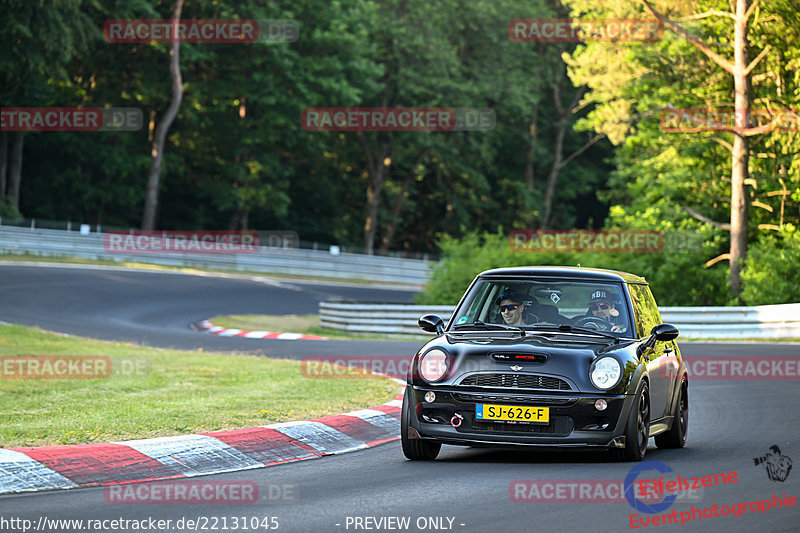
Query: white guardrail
[[292, 261], [763, 321]]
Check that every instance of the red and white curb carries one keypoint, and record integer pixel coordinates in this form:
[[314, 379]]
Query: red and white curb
[[87, 465], [208, 327]]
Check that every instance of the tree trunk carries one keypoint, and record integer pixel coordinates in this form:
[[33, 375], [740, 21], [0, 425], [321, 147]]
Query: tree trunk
[[239, 219], [395, 220], [16, 170], [398, 205], [157, 151], [3, 164], [534, 132], [741, 149], [374, 189], [376, 169], [552, 177]]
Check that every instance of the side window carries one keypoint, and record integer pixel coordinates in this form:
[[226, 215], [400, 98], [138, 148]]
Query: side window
[[645, 311]]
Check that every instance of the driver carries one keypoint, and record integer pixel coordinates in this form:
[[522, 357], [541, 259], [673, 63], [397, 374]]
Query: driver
[[511, 308], [602, 306]]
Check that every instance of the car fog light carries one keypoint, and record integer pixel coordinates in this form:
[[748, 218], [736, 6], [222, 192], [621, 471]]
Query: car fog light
[[430, 397], [600, 405]]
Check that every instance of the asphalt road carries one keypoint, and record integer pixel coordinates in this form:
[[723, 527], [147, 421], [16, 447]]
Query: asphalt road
[[156, 307], [731, 423]]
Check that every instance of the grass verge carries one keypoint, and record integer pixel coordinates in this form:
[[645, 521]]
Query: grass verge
[[153, 392]]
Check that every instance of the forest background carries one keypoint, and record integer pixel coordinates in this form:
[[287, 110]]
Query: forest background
[[578, 141]]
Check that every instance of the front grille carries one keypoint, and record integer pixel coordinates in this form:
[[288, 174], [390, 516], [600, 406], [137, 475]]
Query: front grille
[[515, 381], [472, 397], [559, 426]]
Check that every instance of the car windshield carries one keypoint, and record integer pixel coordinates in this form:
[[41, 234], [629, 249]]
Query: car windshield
[[535, 304]]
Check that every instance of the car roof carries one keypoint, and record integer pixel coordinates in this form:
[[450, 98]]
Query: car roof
[[578, 273]]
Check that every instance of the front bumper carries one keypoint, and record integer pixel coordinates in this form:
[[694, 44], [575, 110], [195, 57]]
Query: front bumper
[[574, 420]]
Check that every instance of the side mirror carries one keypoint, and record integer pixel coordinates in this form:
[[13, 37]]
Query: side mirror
[[661, 332], [664, 332], [431, 324]]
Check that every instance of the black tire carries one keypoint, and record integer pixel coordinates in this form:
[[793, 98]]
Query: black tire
[[676, 436], [637, 432], [415, 449]]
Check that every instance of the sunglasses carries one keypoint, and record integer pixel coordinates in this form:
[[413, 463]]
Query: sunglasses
[[509, 307], [600, 306]]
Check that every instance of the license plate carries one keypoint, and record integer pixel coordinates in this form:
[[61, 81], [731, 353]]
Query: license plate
[[512, 413]]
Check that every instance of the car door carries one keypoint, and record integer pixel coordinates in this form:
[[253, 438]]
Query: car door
[[659, 360]]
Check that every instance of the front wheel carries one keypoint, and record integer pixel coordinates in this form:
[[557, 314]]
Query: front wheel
[[415, 449], [638, 430]]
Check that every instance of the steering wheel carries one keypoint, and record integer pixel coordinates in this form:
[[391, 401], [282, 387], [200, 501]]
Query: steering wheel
[[593, 322]]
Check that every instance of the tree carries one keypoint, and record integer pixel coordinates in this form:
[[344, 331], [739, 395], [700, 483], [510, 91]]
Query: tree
[[157, 151], [667, 178], [41, 39], [741, 69]]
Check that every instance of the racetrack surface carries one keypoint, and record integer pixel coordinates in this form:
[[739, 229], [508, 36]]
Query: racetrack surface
[[731, 423], [156, 307]]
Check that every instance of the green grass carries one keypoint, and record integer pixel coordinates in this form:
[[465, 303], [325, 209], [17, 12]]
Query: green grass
[[280, 323], [173, 393], [306, 324]]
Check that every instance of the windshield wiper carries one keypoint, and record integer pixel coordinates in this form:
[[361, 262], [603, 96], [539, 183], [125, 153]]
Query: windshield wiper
[[480, 324], [566, 328]]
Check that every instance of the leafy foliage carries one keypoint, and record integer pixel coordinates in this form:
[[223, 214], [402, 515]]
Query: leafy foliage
[[673, 275], [771, 275], [237, 155]]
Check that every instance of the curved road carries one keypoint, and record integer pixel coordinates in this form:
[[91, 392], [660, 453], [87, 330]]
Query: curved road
[[156, 307], [731, 423]]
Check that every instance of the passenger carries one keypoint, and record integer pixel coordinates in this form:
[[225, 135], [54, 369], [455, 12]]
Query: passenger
[[602, 306]]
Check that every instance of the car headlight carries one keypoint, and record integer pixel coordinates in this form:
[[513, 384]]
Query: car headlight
[[433, 365], [605, 372]]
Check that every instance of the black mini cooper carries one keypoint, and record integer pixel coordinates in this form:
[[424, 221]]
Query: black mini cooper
[[548, 357]]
